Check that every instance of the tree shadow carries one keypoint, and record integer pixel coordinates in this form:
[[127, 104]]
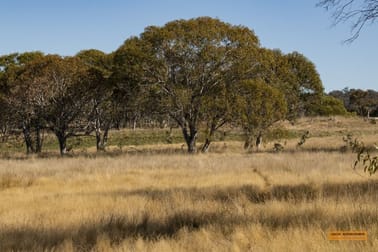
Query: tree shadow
[[119, 228], [116, 228], [289, 193]]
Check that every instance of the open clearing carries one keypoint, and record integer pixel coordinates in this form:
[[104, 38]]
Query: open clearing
[[226, 200]]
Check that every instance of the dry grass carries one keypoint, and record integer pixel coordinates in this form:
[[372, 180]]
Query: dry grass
[[336, 125], [221, 201], [215, 202]]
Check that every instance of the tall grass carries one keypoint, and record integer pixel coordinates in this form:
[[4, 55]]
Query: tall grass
[[154, 197], [216, 202]]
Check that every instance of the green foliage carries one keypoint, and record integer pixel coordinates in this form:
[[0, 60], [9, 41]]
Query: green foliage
[[361, 102], [131, 93], [98, 60], [307, 84], [189, 65], [328, 106], [259, 106], [364, 157], [368, 161], [198, 74], [296, 77]]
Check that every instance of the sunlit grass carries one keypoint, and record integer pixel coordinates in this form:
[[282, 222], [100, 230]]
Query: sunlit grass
[[155, 197], [175, 202]]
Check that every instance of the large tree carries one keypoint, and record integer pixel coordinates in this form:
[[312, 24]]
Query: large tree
[[70, 83], [59, 92], [189, 61], [329, 106], [362, 102], [296, 77], [129, 82], [217, 110], [358, 12], [19, 98], [259, 107], [306, 82], [102, 104], [5, 118]]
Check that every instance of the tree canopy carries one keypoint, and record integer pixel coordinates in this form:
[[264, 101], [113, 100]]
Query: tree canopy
[[259, 107], [361, 102], [187, 61], [198, 74]]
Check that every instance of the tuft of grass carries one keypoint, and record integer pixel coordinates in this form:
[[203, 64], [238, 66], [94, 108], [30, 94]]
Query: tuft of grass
[[9, 180]]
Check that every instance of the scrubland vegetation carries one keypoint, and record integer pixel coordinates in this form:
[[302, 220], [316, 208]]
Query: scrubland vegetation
[[225, 200], [142, 149]]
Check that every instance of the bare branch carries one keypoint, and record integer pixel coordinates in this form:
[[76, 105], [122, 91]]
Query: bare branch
[[357, 12]]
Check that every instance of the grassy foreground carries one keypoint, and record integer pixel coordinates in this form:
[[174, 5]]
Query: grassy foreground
[[222, 201]]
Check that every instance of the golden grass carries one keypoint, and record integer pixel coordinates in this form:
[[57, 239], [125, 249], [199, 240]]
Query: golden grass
[[215, 202], [333, 124], [226, 200]]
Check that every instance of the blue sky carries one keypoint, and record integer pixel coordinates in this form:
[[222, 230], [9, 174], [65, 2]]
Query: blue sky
[[68, 26]]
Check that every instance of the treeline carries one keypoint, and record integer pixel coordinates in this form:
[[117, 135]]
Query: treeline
[[361, 102], [187, 74]]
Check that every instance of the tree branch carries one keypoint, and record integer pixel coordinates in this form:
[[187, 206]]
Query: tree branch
[[359, 13]]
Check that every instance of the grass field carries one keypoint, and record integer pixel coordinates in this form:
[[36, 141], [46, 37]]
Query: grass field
[[154, 197]]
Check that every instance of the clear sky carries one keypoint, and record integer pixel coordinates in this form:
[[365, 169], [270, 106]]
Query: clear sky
[[67, 26]]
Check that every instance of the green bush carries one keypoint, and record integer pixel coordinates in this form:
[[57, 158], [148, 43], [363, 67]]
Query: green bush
[[328, 106]]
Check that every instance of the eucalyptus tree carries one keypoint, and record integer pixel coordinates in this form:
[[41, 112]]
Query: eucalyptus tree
[[54, 92], [188, 64], [296, 77], [259, 106], [5, 118], [217, 110], [129, 83], [68, 83], [101, 116], [307, 82], [276, 72], [19, 110]]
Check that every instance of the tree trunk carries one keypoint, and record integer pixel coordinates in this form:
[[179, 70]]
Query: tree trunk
[[169, 136], [105, 137], [33, 140], [190, 139], [38, 140], [62, 139], [258, 141], [28, 139], [135, 120], [215, 124], [98, 140], [206, 145], [191, 145], [4, 133], [101, 138], [248, 142]]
